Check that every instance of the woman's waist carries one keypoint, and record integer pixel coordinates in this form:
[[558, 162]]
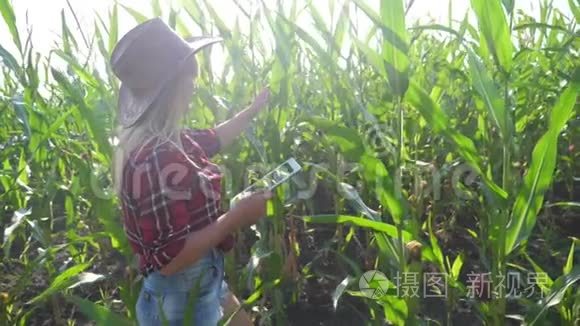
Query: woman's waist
[[212, 262]]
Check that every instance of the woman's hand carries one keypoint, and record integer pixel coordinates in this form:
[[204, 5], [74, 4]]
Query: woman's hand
[[260, 100], [231, 129], [251, 208], [246, 212]]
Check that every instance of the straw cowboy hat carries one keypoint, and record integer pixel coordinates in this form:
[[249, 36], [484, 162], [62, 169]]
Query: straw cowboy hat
[[145, 60]]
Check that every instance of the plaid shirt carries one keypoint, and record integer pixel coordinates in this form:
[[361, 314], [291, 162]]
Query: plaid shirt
[[166, 195]]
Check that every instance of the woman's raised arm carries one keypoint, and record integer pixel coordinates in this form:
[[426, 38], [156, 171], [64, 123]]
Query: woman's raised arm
[[229, 130]]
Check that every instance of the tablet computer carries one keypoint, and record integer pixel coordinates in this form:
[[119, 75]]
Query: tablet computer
[[276, 177], [281, 174]]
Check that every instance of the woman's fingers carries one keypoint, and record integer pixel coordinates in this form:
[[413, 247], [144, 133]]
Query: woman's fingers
[[265, 93], [262, 98], [267, 194], [264, 193]]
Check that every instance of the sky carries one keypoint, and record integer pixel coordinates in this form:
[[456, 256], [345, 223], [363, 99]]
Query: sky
[[43, 16]]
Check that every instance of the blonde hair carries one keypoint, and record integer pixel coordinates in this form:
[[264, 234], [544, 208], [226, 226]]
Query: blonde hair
[[162, 122]]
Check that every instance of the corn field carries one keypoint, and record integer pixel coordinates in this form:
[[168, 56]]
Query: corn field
[[444, 158]]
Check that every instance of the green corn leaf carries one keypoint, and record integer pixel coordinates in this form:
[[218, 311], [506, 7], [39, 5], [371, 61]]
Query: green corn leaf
[[306, 37], [114, 28], [396, 309], [369, 12], [340, 290], [253, 298], [436, 27], [373, 57], [172, 18], [106, 213], [386, 245], [10, 20], [540, 174], [260, 252], [356, 269], [23, 169], [321, 25], [395, 44], [575, 8], [98, 313], [570, 261], [194, 11], [347, 139], [61, 282], [81, 72], [494, 27], [457, 265], [435, 116], [180, 26], [34, 146], [509, 5], [139, 17], [565, 204], [539, 270], [341, 27], [9, 61], [103, 51], [217, 20], [386, 228], [31, 71], [68, 40], [354, 199], [556, 295], [94, 122], [273, 139], [104, 25], [18, 218], [438, 121], [565, 108], [156, 6], [490, 95], [436, 249], [20, 109], [393, 18], [387, 192], [38, 233], [543, 26], [392, 27], [334, 39], [86, 278]]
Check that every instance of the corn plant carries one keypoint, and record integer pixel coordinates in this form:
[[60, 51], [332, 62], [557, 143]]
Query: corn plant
[[407, 133]]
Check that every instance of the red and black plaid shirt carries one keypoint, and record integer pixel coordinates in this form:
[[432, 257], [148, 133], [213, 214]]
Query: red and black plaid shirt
[[166, 195]]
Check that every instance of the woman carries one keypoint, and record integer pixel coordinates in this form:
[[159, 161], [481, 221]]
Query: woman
[[168, 187]]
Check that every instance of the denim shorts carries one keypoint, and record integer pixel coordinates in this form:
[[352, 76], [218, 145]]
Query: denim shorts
[[195, 295]]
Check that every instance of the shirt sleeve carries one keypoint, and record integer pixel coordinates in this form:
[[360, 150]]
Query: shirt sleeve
[[207, 139]]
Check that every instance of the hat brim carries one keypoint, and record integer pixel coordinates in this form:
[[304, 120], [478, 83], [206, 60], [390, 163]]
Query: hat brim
[[134, 103], [132, 106], [196, 43]]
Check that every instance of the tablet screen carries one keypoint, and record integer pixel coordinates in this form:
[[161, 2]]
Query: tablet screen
[[275, 177]]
